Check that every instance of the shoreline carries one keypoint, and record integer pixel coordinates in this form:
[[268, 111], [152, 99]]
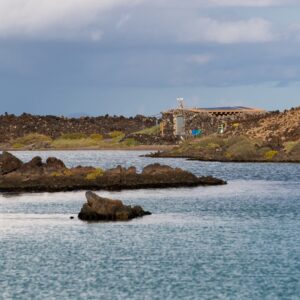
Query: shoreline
[[130, 148], [189, 158]]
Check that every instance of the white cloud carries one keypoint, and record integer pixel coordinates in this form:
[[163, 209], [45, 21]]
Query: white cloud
[[249, 3], [200, 59], [123, 20], [254, 30], [57, 17]]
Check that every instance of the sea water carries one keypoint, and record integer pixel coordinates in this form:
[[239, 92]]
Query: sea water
[[239, 241]]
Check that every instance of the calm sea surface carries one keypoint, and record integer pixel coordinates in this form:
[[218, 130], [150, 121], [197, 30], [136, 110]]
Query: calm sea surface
[[240, 241]]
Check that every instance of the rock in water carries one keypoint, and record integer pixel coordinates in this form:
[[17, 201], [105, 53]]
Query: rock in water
[[9, 163], [103, 209]]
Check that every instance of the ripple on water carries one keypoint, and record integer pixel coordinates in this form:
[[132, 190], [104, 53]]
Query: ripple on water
[[239, 241]]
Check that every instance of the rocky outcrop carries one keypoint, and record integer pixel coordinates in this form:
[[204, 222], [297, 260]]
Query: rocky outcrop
[[102, 209], [53, 176], [275, 127], [55, 164], [9, 163]]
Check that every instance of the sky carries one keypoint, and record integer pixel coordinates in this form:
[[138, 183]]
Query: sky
[[128, 57]]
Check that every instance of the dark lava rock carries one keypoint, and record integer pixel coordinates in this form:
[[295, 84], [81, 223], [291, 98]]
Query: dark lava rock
[[32, 166], [103, 209], [53, 176], [155, 169], [55, 163], [9, 163]]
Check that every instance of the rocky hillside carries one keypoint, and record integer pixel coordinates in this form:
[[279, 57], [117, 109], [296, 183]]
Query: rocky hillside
[[276, 126], [12, 126]]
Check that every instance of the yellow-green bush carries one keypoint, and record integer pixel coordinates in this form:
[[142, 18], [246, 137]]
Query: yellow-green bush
[[74, 143], [207, 142], [95, 174], [289, 146], [296, 149], [18, 145], [115, 134], [96, 136], [270, 154], [29, 139], [243, 149], [73, 136], [213, 146], [56, 174]]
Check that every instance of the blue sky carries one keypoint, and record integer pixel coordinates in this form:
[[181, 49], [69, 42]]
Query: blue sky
[[138, 56]]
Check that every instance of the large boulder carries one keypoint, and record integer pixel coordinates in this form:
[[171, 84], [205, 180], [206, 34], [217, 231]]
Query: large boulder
[[156, 169], [102, 209], [34, 165], [9, 163], [55, 163], [119, 170]]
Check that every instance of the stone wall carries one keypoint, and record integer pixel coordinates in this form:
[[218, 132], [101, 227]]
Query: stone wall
[[12, 126], [204, 121]]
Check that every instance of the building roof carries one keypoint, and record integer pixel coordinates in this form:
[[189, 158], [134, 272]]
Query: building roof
[[227, 109]]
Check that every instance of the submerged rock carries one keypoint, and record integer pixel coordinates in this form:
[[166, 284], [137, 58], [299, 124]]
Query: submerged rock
[[103, 209]]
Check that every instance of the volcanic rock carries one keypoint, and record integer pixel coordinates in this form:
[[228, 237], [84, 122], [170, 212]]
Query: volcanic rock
[[9, 163], [55, 163], [32, 166], [102, 209]]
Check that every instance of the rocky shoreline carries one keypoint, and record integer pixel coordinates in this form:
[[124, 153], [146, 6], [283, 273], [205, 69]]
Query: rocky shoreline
[[238, 149], [54, 176]]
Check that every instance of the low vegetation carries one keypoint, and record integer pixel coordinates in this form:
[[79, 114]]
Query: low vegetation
[[95, 174], [116, 139], [31, 139], [154, 130], [236, 148]]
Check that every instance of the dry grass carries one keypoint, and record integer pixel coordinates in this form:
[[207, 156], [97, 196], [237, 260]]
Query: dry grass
[[30, 139]]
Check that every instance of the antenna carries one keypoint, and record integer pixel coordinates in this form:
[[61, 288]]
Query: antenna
[[181, 103]]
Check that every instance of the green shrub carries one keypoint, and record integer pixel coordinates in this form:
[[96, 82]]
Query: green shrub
[[131, 142], [95, 174], [270, 154], [154, 130]]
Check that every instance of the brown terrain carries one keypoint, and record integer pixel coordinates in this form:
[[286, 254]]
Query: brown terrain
[[276, 126], [12, 126], [274, 137]]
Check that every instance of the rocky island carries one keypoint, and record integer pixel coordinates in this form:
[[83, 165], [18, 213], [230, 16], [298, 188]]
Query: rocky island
[[54, 176], [102, 209]]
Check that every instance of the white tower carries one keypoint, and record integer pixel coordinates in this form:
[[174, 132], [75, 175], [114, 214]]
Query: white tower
[[181, 104]]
